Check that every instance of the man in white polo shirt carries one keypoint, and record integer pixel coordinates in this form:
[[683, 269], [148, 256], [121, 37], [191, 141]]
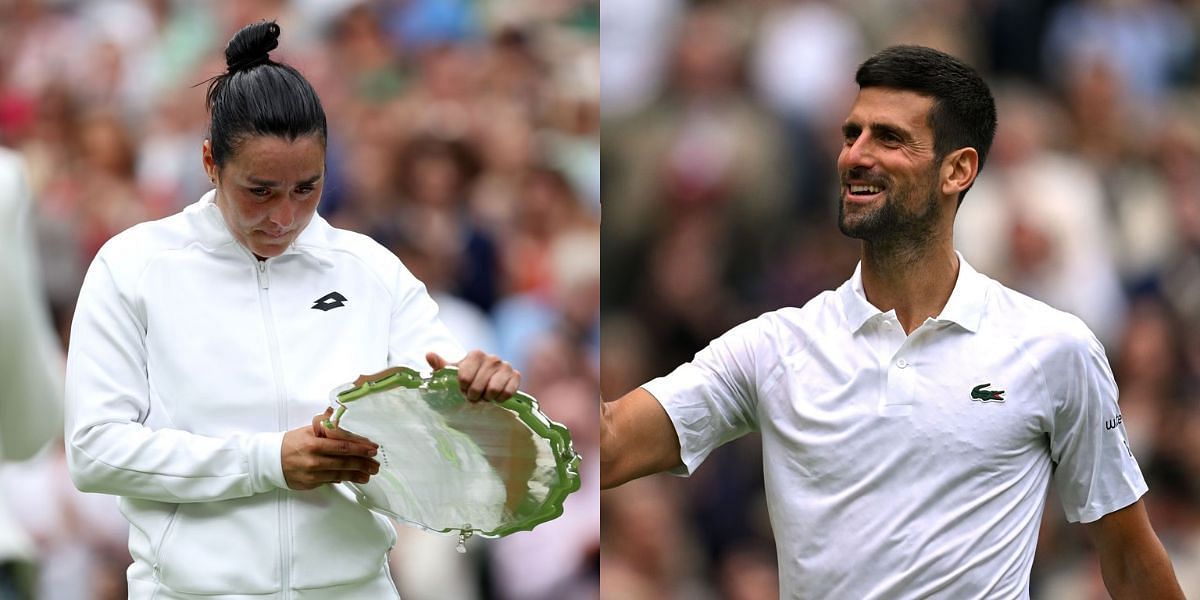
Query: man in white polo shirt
[[913, 418]]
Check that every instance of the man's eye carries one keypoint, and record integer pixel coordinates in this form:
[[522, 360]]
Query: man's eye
[[261, 192], [304, 189]]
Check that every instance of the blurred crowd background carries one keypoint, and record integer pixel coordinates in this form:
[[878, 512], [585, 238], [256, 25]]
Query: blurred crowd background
[[720, 130], [464, 135]]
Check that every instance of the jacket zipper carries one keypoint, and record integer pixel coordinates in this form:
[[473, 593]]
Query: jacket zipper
[[157, 571], [284, 504]]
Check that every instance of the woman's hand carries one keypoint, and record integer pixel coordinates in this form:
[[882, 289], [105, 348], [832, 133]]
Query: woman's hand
[[482, 376], [316, 455]]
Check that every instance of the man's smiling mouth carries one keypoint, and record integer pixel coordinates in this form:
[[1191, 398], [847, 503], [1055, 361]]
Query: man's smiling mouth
[[866, 190], [861, 191]]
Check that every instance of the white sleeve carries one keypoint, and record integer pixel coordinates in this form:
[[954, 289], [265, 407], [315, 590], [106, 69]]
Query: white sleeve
[[110, 450], [1095, 472], [416, 328], [30, 357], [713, 399]]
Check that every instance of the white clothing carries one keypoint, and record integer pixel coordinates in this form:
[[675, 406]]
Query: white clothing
[[189, 359], [31, 402], [1079, 274], [891, 471]]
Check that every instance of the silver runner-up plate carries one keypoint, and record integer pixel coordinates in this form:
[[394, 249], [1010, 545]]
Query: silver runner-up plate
[[453, 466]]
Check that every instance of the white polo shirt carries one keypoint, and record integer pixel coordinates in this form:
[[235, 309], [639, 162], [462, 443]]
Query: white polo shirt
[[912, 466]]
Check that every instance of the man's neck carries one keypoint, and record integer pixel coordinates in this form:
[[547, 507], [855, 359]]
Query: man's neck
[[915, 280]]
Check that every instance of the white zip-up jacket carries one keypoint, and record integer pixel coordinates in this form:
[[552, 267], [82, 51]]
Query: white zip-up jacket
[[30, 358], [189, 359]]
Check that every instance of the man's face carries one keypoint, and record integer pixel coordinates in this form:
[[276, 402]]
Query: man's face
[[269, 189], [888, 176]]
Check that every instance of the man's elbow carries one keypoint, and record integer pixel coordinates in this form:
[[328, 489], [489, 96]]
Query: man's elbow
[[610, 475], [617, 468]]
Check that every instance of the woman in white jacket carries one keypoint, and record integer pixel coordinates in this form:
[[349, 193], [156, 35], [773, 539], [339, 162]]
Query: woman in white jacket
[[30, 363], [204, 347]]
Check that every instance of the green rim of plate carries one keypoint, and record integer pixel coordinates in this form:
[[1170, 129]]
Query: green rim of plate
[[525, 407]]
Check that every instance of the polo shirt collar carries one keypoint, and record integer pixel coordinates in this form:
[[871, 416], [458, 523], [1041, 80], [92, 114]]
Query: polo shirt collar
[[964, 308], [854, 301], [967, 302]]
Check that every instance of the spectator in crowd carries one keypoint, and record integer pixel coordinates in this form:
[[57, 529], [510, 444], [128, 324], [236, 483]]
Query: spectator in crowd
[[30, 368]]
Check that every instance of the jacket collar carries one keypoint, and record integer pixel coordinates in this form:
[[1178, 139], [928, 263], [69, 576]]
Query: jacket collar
[[214, 232], [964, 308]]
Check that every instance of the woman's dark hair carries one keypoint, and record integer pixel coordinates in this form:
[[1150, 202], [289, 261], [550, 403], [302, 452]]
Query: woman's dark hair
[[258, 96], [963, 113]]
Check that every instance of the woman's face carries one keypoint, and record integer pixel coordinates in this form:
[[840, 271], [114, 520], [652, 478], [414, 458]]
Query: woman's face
[[268, 189]]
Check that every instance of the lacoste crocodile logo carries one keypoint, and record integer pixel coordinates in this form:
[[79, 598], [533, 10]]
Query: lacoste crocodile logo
[[329, 302], [982, 395]]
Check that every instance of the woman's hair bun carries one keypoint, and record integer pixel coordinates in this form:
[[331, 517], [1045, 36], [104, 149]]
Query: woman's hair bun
[[251, 45]]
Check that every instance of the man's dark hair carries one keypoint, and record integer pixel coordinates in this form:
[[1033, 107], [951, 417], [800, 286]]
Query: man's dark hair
[[258, 96], [963, 113]]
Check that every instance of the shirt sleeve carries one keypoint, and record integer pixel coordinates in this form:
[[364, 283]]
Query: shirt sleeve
[[1095, 471], [110, 449], [416, 328], [712, 399], [30, 357]]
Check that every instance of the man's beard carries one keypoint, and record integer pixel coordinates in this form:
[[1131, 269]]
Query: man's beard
[[891, 224]]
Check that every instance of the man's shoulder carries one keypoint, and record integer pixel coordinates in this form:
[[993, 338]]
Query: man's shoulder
[[792, 326], [820, 310], [1032, 321]]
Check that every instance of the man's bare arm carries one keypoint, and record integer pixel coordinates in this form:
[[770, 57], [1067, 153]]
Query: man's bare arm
[[1132, 560], [636, 439]]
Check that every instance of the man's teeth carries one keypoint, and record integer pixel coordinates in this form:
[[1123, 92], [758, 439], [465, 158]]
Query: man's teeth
[[865, 189]]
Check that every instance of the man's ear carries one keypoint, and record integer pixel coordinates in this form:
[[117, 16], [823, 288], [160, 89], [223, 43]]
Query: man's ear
[[958, 171], [210, 165]]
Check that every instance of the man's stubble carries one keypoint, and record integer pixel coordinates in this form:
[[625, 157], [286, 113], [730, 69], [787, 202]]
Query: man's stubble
[[893, 231]]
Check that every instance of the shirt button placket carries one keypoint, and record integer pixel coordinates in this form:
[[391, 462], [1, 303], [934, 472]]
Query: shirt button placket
[[897, 397]]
